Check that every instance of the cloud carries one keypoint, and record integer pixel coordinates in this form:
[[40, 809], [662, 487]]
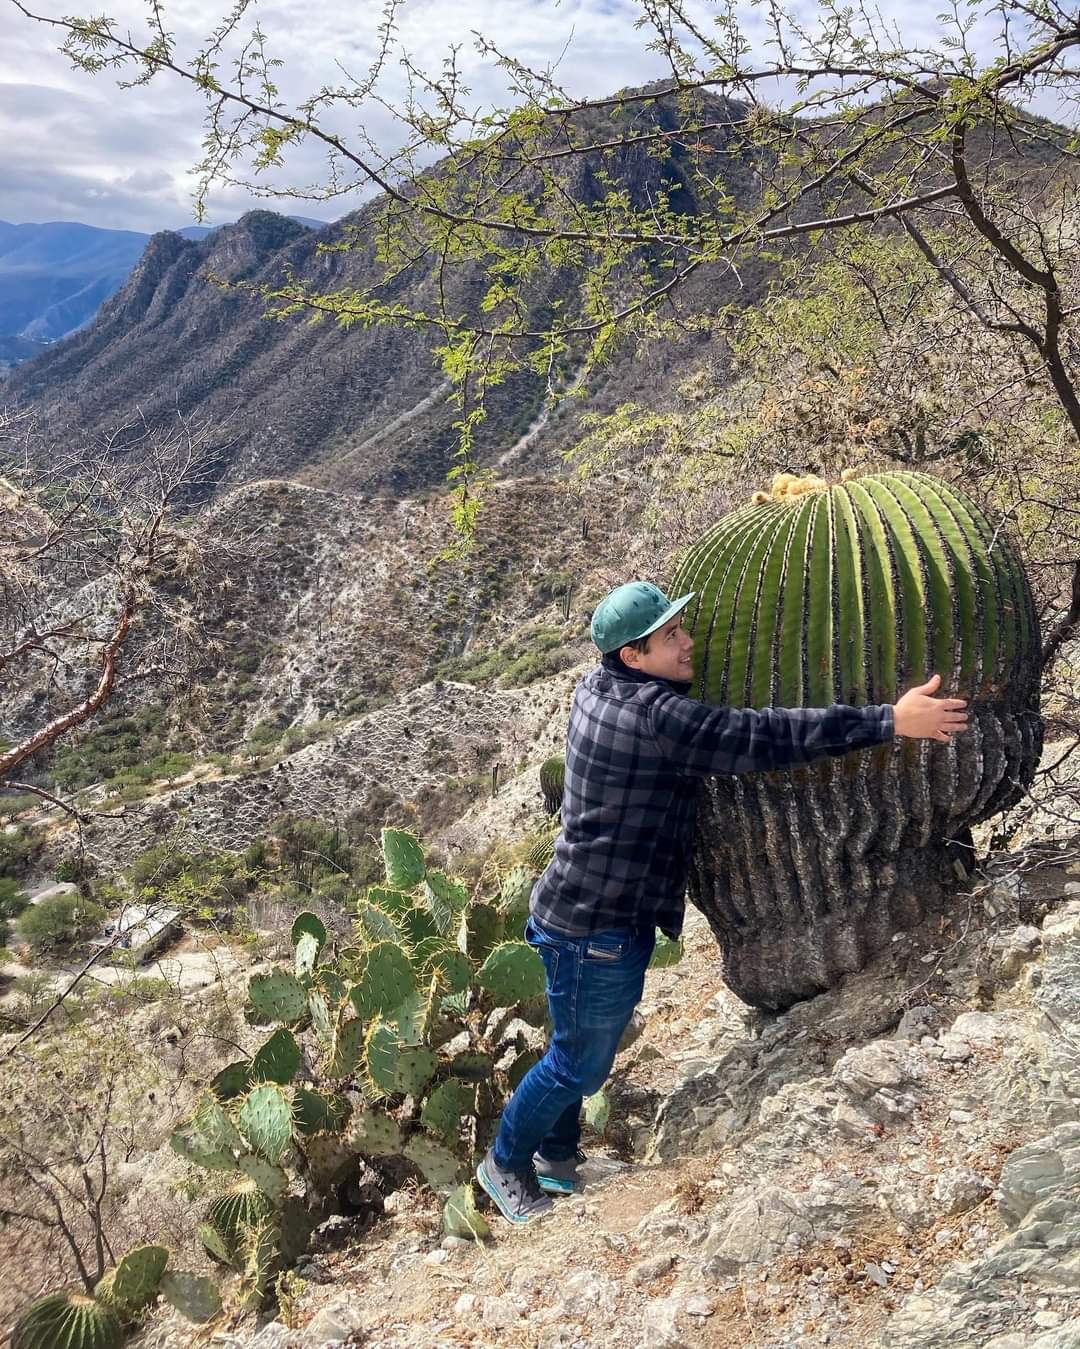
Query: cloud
[[75, 147]]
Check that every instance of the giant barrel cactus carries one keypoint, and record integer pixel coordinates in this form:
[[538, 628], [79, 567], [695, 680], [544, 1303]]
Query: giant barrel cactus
[[853, 593]]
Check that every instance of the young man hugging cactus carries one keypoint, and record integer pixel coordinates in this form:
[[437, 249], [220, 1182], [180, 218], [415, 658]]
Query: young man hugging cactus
[[635, 745]]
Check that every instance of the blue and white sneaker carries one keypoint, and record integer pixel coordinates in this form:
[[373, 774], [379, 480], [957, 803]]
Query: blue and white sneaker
[[516, 1194], [559, 1177]]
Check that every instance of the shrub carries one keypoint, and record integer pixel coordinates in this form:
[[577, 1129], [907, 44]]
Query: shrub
[[13, 901], [59, 921]]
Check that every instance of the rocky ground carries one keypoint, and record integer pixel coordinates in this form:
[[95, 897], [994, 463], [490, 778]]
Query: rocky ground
[[895, 1163]]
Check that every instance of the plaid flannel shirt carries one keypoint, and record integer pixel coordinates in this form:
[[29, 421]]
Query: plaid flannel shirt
[[635, 752]]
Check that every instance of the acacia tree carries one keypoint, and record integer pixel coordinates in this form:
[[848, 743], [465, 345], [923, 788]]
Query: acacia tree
[[647, 201]]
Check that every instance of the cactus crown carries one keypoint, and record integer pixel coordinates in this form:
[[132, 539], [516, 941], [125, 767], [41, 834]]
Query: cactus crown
[[854, 591]]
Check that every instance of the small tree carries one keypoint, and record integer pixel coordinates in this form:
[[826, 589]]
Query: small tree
[[59, 921], [102, 577]]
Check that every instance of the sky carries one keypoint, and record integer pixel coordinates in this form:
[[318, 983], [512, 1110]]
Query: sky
[[75, 147]]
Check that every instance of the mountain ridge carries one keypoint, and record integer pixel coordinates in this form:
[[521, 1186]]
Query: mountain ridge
[[56, 274]]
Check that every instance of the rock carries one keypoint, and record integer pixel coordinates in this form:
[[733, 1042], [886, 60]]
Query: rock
[[771, 1221], [632, 1033], [336, 1322], [466, 1305], [1033, 1173], [336, 1232], [915, 1023], [453, 1243], [585, 1292], [878, 1077], [1047, 1320], [876, 1274], [982, 1029], [1015, 949], [648, 1271], [959, 1189], [437, 1257], [500, 1313], [660, 1328], [273, 1335]]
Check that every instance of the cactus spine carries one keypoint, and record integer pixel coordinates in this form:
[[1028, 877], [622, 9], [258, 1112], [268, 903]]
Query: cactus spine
[[853, 593]]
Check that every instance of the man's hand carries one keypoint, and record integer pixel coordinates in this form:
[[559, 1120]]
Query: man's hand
[[923, 717]]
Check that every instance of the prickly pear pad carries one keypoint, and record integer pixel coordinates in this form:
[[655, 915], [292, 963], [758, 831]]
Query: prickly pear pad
[[461, 1217], [386, 982], [481, 931], [233, 1080], [314, 1111], [414, 1069], [269, 1178], [329, 1158], [443, 1110], [512, 973], [279, 995], [277, 1059], [440, 1167], [311, 925], [347, 1048], [403, 858], [374, 1133], [265, 1120], [193, 1296], [380, 1058], [135, 1279]]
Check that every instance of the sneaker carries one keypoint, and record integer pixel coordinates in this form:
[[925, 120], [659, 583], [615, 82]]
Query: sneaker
[[559, 1177], [516, 1194]]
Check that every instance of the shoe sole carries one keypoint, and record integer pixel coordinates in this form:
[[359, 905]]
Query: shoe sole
[[490, 1189], [553, 1185]]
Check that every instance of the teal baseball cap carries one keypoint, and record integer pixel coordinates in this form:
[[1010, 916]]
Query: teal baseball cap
[[631, 611]]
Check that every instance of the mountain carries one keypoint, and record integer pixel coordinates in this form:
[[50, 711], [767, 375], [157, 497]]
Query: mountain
[[360, 409], [55, 276]]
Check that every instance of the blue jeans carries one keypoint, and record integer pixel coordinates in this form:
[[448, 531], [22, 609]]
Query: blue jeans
[[593, 985]]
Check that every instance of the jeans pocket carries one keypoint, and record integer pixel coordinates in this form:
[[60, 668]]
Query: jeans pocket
[[604, 950]]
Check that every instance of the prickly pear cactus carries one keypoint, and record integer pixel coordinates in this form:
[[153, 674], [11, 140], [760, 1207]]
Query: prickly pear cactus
[[853, 593], [133, 1282], [427, 966], [67, 1321]]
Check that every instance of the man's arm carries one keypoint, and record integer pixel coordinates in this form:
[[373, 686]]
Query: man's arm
[[705, 740]]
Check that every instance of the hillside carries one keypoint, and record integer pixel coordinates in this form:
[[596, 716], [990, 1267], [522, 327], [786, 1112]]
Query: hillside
[[357, 409], [55, 276]]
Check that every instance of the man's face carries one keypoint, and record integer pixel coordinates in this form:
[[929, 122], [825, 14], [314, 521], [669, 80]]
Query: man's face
[[670, 654]]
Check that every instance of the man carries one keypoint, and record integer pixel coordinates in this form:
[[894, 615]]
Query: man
[[635, 747]]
